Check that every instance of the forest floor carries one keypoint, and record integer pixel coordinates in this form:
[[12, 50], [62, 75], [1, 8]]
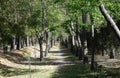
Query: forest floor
[[59, 63]]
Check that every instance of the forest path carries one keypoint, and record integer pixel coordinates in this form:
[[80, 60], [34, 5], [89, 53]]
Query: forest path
[[59, 63], [56, 58]]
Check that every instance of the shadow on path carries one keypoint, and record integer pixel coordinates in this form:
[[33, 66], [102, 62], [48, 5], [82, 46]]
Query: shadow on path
[[82, 71], [58, 57], [10, 71]]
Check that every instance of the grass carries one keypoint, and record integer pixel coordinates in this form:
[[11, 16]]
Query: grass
[[83, 71], [78, 70], [9, 71], [69, 71], [42, 73]]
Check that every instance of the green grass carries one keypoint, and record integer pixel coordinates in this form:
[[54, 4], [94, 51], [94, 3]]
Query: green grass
[[42, 73], [83, 71], [7, 72]]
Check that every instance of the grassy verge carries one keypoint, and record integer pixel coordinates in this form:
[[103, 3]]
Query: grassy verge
[[83, 71], [9, 71]]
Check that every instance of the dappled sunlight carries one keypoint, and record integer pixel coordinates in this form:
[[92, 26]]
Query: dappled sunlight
[[83, 71], [7, 71], [59, 38]]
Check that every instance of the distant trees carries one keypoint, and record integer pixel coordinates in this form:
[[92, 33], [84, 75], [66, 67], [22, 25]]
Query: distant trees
[[85, 21], [25, 23], [13, 17]]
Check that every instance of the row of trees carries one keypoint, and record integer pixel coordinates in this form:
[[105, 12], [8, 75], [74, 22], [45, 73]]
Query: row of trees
[[87, 29], [28, 22], [78, 23]]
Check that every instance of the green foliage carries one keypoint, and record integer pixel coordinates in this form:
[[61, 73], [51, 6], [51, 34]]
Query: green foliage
[[113, 8], [24, 17]]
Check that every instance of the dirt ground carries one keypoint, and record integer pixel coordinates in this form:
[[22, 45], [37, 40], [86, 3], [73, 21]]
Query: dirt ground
[[57, 57]]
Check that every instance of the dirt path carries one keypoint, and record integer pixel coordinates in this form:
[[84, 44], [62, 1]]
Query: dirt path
[[56, 58]]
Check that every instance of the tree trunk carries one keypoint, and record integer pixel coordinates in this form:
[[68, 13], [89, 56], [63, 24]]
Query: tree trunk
[[93, 41], [12, 44], [73, 44], [47, 43], [102, 45], [93, 49], [103, 51], [77, 43], [84, 46], [27, 41], [52, 42], [32, 41], [66, 43], [112, 53], [80, 49], [22, 43], [5, 48], [72, 31], [41, 48], [109, 18], [18, 43]]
